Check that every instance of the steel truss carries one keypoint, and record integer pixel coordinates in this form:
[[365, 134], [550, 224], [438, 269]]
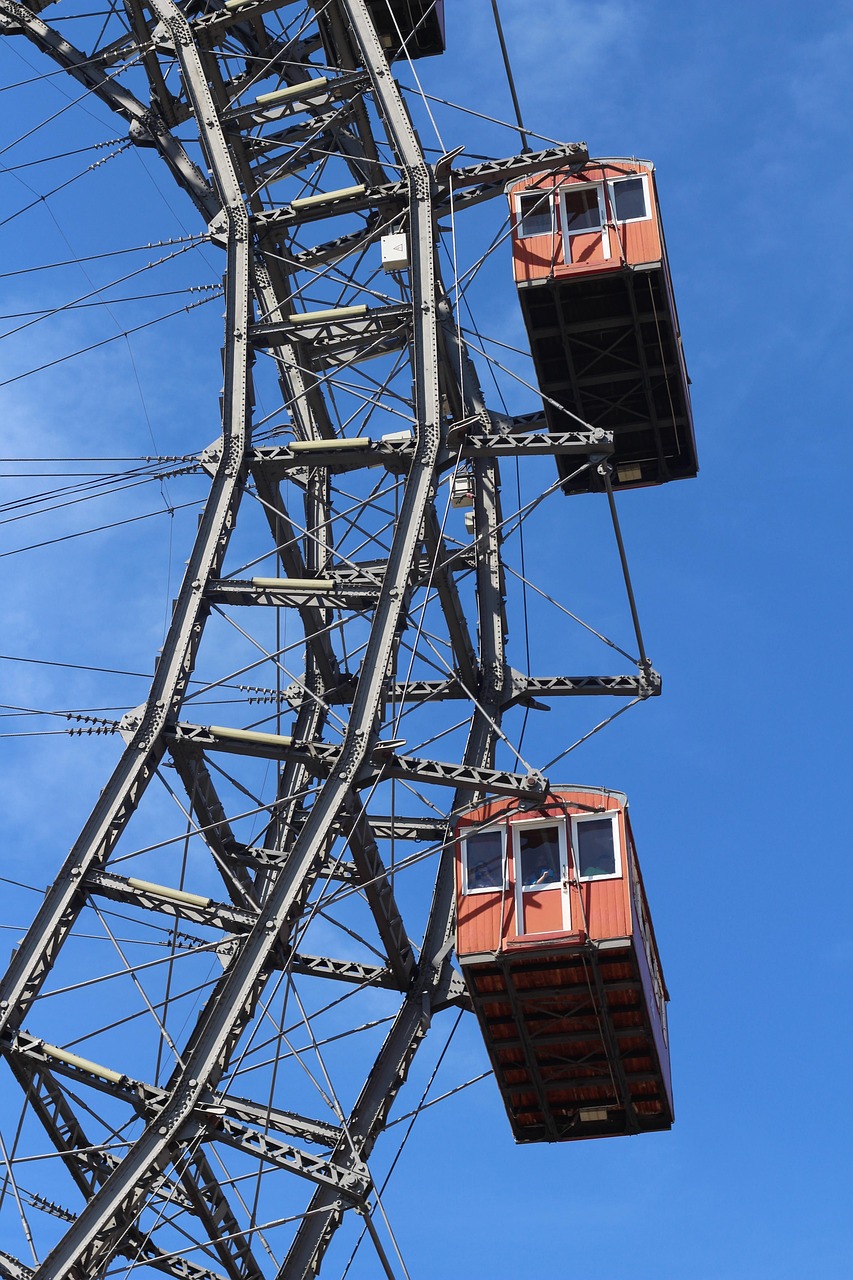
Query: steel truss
[[174, 1138]]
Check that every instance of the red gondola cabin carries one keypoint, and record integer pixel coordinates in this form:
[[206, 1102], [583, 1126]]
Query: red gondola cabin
[[409, 28], [556, 945], [593, 279]]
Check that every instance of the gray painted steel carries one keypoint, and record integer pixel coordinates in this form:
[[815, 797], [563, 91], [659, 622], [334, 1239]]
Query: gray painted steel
[[311, 834]]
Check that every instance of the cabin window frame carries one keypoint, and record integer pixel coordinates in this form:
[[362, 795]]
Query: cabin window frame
[[630, 177], [562, 881], [546, 195], [576, 820], [603, 228], [526, 825], [493, 828], [569, 187]]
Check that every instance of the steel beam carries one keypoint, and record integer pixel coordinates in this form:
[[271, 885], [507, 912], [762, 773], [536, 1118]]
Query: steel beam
[[92, 1238], [220, 1116], [146, 127], [270, 882], [196, 909], [89, 1167]]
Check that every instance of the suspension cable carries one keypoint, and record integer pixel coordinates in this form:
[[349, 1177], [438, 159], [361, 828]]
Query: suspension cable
[[644, 661], [505, 55]]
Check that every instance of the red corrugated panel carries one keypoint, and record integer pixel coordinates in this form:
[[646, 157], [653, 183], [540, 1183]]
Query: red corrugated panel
[[574, 1021], [651, 973], [630, 243], [479, 921], [598, 908], [534, 257]]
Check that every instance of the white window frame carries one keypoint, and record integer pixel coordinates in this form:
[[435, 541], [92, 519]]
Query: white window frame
[[562, 883], [576, 820], [499, 829], [547, 196], [627, 177], [601, 229], [527, 825]]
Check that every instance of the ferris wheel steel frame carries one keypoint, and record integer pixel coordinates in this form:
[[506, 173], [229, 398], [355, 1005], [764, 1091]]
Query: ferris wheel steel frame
[[269, 885]]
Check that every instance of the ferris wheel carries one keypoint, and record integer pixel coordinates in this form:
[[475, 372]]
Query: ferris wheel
[[218, 1087]]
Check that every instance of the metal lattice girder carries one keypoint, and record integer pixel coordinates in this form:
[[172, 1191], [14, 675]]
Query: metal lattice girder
[[396, 827], [146, 126], [326, 759], [378, 891], [13, 1269], [90, 1165], [195, 909], [93, 1236], [522, 689], [134, 772], [231, 1121], [178, 1087], [508, 442], [323, 593], [340, 338], [642, 686], [526, 687], [469, 186]]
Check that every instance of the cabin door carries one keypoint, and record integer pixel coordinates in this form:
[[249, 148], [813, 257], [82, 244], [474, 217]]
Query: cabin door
[[583, 212], [541, 877]]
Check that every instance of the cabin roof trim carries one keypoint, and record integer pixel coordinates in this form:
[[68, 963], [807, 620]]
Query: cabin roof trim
[[555, 791], [564, 176]]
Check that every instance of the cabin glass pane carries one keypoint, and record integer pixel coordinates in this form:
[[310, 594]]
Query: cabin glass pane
[[484, 861], [629, 199], [595, 848], [539, 851], [534, 214], [582, 212]]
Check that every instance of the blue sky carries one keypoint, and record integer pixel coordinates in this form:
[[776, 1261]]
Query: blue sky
[[737, 776]]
